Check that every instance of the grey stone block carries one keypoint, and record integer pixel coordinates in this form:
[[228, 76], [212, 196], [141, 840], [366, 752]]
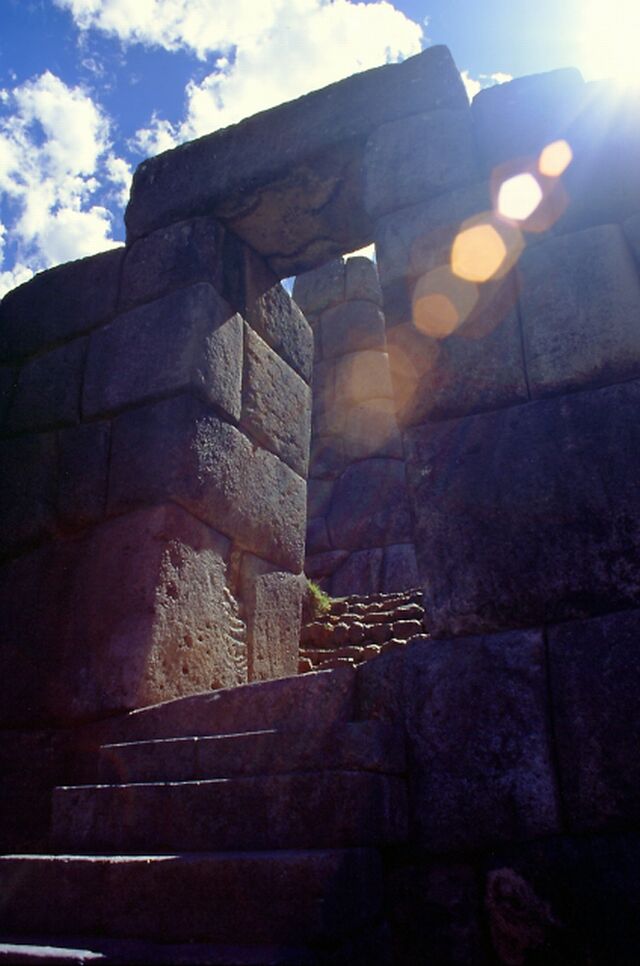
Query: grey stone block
[[400, 568], [48, 388], [320, 565], [318, 497], [229, 166], [580, 308], [327, 458], [324, 386], [369, 507], [59, 304], [361, 280], [520, 118], [511, 529], [360, 376], [327, 419], [27, 490], [277, 319], [317, 536], [276, 407], [320, 288], [177, 450], [187, 339], [350, 327], [83, 455], [417, 157], [371, 429], [272, 608], [173, 257], [358, 574], [478, 738], [595, 676]]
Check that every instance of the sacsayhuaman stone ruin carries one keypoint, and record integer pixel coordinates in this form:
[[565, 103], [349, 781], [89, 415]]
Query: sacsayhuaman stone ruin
[[205, 762]]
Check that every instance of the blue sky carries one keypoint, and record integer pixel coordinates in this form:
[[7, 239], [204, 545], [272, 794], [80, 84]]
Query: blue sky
[[88, 88]]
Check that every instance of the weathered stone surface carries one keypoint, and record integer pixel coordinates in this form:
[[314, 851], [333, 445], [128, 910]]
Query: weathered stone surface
[[233, 165], [359, 574], [371, 429], [48, 390], [324, 386], [187, 339], [318, 497], [320, 288], [136, 612], [580, 309], [83, 461], [523, 116], [327, 459], [178, 450], [399, 569], [7, 383], [317, 536], [361, 280], [476, 720], [509, 526], [319, 565], [351, 326], [417, 157], [327, 419], [276, 406], [272, 605], [361, 376], [27, 490], [595, 676], [631, 229], [59, 303], [173, 257], [370, 506]]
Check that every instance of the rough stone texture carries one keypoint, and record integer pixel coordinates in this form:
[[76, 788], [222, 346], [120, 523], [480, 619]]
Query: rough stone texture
[[187, 339], [320, 565], [371, 429], [272, 607], [320, 288], [276, 407], [361, 376], [173, 257], [528, 514], [521, 117], [361, 280], [359, 574], [595, 676], [59, 304], [136, 612], [427, 153], [228, 169], [350, 327], [580, 307], [318, 497], [399, 569], [324, 387], [317, 536], [327, 459], [27, 490], [178, 450], [83, 465], [47, 393], [370, 506]]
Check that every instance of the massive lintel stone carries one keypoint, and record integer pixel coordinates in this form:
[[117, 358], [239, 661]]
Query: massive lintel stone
[[300, 162]]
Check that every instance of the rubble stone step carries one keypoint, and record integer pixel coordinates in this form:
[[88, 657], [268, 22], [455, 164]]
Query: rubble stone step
[[363, 745], [301, 810], [284, 898]]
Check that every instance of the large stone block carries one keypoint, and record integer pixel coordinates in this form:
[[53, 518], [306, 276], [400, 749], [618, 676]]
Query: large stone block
[[234, 165], [188, 339], [136, 612], [528, 514], [318, 497], [178, 450], [83, 467], [27, 490], [48, 389], [272, 608], [399, 569], [59, 304], [358, 574], [361, 376], [350, 327], [417, 157], [317, 536], [371, 429], [369, 507], [172, 257], [580, 309], [276, 408], [320, 288], [361, 280], [595, 677]]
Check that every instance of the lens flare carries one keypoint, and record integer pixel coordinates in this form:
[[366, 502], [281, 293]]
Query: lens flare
[[478, 253], [608, 32], [442, 301], [555, 159], [518, 197]]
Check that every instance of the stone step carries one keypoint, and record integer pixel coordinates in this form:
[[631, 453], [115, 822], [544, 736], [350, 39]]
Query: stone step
[[363, 745], [284, 898], [301, 810]]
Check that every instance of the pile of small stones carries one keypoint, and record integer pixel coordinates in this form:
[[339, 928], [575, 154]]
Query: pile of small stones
[[356, 628]]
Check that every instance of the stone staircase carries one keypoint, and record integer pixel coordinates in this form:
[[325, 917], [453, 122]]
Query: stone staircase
[[237, 828]]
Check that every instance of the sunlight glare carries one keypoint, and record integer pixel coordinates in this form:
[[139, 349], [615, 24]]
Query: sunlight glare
[[609, 34], [519, 197], [478, 253], [442, 302], [555, 159]]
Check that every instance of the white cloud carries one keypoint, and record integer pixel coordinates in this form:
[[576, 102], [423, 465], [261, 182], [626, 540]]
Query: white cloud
[[473, 85], [55, 153]]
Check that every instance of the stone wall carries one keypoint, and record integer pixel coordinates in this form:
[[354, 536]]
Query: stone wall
[[155, 436], [359, 529]]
